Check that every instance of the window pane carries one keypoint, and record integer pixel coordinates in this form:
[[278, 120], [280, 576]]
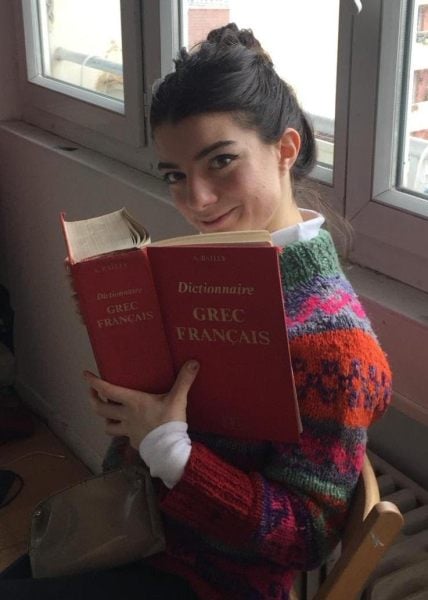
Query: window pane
[[81, 44], [413, 164], [301, 37]]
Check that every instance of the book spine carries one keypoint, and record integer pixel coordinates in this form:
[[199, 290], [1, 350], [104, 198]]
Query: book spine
[[67, 241], [120, 308]]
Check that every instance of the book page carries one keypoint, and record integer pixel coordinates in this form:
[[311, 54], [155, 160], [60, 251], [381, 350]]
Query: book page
[[261, 237], [101, 235]]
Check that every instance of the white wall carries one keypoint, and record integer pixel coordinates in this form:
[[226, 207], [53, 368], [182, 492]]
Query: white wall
[[9, 105], [37, 181]]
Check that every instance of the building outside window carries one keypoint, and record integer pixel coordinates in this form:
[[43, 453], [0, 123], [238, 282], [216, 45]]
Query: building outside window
[[202, 17], [422, 32]]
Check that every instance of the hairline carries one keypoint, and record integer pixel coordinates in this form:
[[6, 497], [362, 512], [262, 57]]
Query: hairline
[[240, 116]]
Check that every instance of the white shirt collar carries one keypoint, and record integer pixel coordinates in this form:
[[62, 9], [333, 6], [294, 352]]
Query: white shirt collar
[[304, 231]]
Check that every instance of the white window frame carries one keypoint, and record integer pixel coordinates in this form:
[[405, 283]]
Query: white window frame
[[388, 238], [149, 42], [331, 182]]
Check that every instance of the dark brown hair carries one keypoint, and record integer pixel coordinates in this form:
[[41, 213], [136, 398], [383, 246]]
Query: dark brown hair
[[230, 72]]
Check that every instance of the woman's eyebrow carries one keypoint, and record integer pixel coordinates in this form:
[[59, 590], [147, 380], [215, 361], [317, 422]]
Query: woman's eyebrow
[[212, 147], [201, 154]]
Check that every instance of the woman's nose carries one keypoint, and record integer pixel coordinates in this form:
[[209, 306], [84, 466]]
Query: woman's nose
[[200, 193]]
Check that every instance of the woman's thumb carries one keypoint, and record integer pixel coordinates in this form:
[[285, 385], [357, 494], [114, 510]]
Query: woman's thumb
[[185, 378]]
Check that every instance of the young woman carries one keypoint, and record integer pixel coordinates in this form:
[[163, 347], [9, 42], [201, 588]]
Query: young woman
[[242, 518]]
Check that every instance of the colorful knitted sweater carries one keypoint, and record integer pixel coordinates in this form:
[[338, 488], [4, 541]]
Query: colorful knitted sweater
[[245, 516]]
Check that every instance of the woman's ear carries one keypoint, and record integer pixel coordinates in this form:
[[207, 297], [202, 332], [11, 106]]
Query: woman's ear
[[289, 148]]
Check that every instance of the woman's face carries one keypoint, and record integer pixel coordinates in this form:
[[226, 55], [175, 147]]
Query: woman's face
[[223, 177]]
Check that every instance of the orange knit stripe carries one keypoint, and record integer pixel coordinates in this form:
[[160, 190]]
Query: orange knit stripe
[[319, 354]]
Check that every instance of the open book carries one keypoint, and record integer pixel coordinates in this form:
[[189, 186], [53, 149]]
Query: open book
[[216, 298]]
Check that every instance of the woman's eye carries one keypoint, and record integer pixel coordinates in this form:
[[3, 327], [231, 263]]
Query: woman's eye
[[173, 177], [222, 160]]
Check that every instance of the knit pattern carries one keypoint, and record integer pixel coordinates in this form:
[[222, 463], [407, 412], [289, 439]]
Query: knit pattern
[[245, 516]]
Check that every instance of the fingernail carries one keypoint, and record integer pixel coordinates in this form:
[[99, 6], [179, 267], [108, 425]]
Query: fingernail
[[193, 366], [86, 374]]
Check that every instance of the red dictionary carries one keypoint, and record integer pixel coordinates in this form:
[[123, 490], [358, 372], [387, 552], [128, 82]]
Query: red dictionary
[[215, 298]]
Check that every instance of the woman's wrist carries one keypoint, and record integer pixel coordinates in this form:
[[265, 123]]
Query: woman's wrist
[[166, 450]]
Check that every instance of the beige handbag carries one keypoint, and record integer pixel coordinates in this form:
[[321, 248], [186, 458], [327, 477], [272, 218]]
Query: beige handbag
[[105, 521]]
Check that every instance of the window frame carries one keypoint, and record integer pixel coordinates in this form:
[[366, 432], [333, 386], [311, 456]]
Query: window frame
[[148, 30], [388, 238], [361, 186], [331, 182]]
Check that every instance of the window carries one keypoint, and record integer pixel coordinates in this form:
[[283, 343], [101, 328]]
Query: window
[[362, 76], [72, 56], [83, 72], [414, 156], [385, 206]]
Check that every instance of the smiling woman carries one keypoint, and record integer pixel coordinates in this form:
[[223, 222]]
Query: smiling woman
[[251, 113], [241, 516], [232, 142]]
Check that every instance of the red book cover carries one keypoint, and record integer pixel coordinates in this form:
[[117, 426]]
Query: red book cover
[[120, 308], [224, 307], [149, 309]]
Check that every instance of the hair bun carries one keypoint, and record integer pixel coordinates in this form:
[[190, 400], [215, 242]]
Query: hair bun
[[247, 39], [230, 35], [223, 34]]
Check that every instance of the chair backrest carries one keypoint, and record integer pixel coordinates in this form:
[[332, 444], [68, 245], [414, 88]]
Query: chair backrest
[[371, 529]]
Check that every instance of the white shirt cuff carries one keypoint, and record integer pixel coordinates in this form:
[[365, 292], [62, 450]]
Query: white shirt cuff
[[166, 450]]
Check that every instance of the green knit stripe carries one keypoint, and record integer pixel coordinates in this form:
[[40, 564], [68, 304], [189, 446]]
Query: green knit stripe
[[309, 483], [301, 261]]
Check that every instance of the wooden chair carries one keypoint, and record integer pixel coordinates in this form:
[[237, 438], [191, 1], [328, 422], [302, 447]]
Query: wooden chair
[[371, 529]]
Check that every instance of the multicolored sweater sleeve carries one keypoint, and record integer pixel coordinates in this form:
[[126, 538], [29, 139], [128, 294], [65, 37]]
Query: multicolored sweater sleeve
[[244, 516]]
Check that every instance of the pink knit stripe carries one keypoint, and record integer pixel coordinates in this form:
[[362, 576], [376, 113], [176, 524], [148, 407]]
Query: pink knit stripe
[[330, 306]]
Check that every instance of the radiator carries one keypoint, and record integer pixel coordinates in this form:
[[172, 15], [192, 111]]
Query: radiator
[[403, 572]]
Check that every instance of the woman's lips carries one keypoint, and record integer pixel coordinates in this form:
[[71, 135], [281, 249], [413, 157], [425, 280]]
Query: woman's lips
[[216, 220]]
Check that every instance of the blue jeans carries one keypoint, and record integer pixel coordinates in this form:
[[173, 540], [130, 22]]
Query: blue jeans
[[135, 581]]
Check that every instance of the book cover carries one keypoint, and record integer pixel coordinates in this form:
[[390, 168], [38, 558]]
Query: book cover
[[120, 308], [224, 307], [149, 308]]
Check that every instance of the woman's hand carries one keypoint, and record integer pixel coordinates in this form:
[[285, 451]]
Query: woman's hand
[[134, 414]]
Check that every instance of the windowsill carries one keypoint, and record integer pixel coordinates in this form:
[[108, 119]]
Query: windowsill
[[394, 295], [399, 312], [89, 159]]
